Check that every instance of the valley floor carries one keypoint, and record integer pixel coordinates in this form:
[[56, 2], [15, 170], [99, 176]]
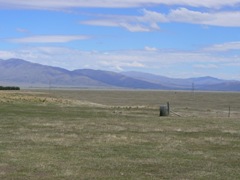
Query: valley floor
[[96, 134]]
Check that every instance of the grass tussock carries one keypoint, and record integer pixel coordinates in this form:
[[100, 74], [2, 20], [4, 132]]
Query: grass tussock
[[113, 137]]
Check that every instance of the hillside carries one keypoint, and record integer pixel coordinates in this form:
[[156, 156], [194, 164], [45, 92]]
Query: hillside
[[20, 72], [206, 83], [118, 80], [23, 73]]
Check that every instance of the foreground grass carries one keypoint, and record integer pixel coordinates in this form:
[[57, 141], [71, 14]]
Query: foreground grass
[[59, 140]]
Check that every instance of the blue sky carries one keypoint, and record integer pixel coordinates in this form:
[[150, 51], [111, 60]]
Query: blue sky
[[177, 38]]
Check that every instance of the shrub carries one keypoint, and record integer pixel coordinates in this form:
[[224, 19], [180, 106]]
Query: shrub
[[9, 88]]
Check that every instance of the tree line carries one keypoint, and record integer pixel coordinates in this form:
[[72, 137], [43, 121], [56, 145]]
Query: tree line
[[9, 88]]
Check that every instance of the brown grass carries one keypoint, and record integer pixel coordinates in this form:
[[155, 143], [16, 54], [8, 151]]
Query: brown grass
[[118, 135]]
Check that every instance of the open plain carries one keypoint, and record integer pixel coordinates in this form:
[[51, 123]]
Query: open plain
[[113, 134]]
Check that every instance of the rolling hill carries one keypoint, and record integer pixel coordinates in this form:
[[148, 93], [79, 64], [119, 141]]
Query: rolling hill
[[206, 83], [22, 73], [26, 74]]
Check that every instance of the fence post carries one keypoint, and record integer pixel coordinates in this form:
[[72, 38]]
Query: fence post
[[168, 106], [229, 111]]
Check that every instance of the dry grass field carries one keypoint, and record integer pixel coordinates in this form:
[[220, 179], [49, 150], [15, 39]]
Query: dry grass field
[[111, 134]]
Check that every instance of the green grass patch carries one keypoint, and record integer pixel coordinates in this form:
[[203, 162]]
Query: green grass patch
[[59, 140]]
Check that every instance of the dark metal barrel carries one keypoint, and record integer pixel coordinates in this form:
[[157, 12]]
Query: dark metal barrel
[[164, 110]]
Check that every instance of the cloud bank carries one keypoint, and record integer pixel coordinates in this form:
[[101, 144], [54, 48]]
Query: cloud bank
[[49, 39], [150, 20], [212, 13], [63, 4]]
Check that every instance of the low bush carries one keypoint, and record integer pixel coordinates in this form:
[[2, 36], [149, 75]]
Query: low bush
[[9, 88]]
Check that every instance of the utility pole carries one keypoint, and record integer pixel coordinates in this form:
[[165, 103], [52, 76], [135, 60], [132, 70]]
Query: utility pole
[[193, 90]]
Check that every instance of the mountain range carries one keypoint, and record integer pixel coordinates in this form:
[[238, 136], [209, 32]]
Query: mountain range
[[22, 73]]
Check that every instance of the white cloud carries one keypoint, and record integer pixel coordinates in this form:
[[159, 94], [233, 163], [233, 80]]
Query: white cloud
[[6, 54], [206, 66], [121, 65], [49, 39], [152, 17], [22, 30], [150, 20], [134, 58], [63, 4], [224, 47], [132, 27], [147, 48], [146, 22], [222, 18]]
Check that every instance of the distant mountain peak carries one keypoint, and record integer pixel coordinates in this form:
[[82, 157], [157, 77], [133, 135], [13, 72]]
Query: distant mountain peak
[[15, 60]]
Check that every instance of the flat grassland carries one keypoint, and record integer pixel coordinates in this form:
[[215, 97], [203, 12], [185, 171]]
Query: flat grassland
[[110, 134]]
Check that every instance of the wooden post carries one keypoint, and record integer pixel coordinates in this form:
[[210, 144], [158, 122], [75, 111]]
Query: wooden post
[[229, 111], [168, 106]]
